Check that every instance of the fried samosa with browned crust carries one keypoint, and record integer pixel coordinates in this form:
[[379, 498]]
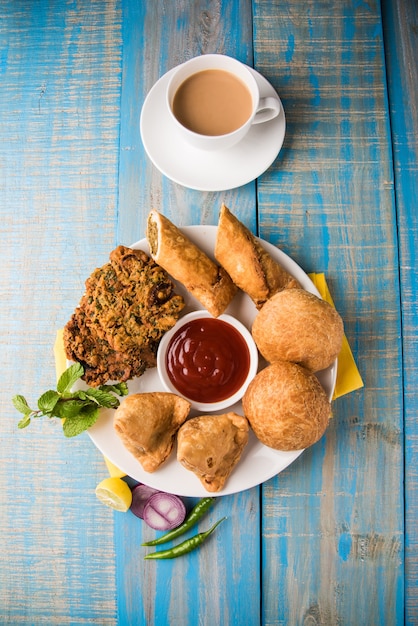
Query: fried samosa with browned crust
[[211, 446], [147, 424], [249, 265]]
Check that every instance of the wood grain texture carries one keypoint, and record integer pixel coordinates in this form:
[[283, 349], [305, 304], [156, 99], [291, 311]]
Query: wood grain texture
[[401, 42], [59, 121], [182, 30], [221, 583], [329, 202], [322, 543]]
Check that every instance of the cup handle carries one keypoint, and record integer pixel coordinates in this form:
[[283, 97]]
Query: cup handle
[[268, 109]]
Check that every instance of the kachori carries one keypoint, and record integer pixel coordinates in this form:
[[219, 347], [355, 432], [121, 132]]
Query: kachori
[[297, 326], [287, 407]]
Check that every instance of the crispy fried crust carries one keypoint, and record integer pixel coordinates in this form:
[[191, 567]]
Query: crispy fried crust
[[129, 303], [203, 278], [211, 446], [286, 407], [249, 265], [147, 424], [297, 326]]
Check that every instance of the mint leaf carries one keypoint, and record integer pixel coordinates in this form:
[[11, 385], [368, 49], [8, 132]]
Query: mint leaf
[[47, 401], [103, 398], [20, 404], [81, 395], [121, 389], [69, 377], [69, 408], [25, 421], [82, 422], [78, 409]]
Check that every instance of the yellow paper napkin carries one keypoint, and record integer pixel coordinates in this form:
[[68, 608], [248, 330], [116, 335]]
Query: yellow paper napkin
[[348, 376], [59, 353]]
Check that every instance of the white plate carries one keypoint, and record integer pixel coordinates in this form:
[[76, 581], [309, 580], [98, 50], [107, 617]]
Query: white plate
[[258, 463], [208, 171]]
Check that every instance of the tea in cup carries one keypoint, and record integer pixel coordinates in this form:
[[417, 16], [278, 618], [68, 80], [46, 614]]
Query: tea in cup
[[214, 100]]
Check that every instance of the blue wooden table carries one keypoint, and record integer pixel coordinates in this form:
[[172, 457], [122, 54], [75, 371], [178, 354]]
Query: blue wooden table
[[332, 539]]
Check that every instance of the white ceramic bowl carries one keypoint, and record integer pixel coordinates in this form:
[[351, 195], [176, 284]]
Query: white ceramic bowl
[[197, 384]]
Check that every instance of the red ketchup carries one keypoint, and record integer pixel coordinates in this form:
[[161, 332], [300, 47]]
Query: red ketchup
[[207, 360]]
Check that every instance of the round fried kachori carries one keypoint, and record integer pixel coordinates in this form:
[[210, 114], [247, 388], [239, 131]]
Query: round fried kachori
[[295, 325], [287, 407]]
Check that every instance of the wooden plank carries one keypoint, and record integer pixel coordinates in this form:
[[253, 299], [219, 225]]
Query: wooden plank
[[333, 541], [400, 21], [332, 548], [182, 31], [59, 121], [220, 584]]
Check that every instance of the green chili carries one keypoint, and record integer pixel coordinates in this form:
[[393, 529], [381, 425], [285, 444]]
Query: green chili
[[194, 516], [185, 547]]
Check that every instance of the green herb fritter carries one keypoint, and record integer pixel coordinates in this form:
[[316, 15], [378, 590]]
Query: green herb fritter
[[128, 305]]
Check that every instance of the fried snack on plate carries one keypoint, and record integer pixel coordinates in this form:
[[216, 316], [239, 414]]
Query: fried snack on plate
[[295, 325], [211, 446], [287, 407], [249, 265], [128, 304], [147, 424], [202, 277]]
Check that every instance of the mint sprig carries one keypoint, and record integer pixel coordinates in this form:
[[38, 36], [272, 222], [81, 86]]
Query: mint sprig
[[78, 409]]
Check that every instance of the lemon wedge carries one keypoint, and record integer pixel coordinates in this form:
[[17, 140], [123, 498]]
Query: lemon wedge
[[115, 493]]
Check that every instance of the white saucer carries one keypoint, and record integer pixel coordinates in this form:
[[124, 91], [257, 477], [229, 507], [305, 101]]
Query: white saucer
[[208, 171]]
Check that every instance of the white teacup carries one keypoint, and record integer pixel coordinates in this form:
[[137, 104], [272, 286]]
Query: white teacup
[[214, 100]]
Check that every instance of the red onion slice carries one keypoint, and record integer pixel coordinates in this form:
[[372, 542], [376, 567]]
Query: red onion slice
[[140, 496], [164, 511]]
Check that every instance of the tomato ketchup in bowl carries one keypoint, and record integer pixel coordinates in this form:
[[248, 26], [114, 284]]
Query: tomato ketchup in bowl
[[209, 361]]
